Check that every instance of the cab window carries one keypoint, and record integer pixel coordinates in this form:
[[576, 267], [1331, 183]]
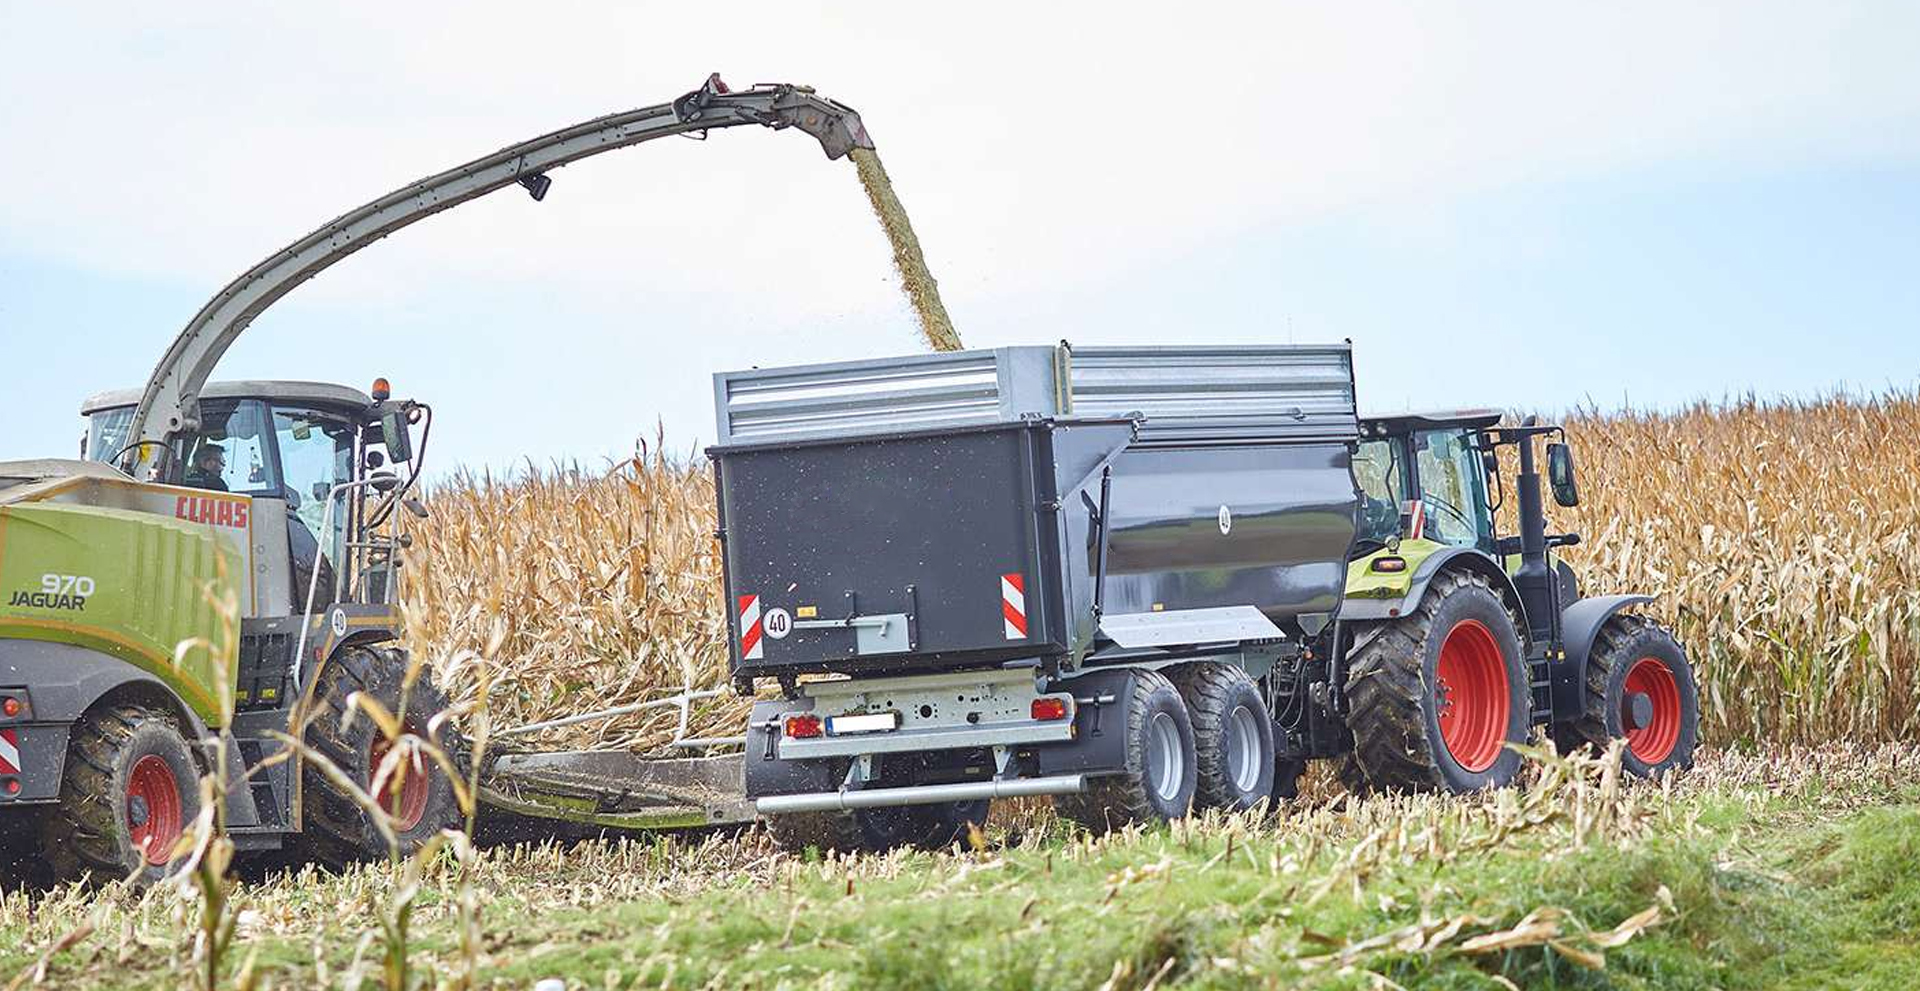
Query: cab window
[[316, 454], [1451, 488], [1380, 469], [230, 453]]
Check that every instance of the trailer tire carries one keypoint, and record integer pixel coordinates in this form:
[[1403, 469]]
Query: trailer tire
[[1232, 735], [1436, 695], [337, 830], [926, 827], [1160, 775], [130, 791], [1634, 655]]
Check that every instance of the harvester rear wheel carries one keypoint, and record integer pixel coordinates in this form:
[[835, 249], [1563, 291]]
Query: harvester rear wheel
[[337, 830], [129, 793], [1640, 685], [1161, 768], [1232, 735], [1436, 695]]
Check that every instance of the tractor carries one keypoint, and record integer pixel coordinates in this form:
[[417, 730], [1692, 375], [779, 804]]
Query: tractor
[[1460, 640]]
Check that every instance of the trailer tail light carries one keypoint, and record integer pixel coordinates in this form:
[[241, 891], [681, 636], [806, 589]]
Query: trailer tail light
[[1390, 564], [10, 707], [805, 726], [1049, 709], [12, 787]]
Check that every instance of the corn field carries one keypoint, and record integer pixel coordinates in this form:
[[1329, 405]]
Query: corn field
[[1780, 539]]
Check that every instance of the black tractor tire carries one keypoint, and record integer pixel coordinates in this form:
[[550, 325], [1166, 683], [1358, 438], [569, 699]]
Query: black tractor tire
[[130, 780], [336, 830], [1161, 771], [1396, 700], [1232, 736], [1633, 655]]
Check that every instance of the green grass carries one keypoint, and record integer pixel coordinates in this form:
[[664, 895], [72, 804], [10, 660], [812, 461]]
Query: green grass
[[1801, 873]]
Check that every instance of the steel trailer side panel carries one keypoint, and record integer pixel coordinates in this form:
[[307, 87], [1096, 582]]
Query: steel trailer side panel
[[1200, 527]]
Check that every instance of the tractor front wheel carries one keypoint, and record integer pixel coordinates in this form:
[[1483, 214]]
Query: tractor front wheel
[[1436, 696], [1641, 686]]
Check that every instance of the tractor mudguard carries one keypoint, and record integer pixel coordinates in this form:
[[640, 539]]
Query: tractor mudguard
[[1579, 626], [61, 682], [1359, 609]]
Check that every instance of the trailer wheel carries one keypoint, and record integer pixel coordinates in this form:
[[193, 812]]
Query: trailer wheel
[[1161, 768], [1641, 686], [129, 793], [336, 829], [1438, 694], [1232, 735]]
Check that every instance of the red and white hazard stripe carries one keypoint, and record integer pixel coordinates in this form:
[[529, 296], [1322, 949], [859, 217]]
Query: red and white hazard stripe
[[753, 644], [1416, 519], [9, 752], [1013, 605]]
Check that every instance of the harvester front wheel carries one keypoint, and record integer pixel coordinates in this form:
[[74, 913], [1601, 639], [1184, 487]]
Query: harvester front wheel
[[1437, 695], [1641, 686], [130, 791], [1161, 771], [337, 829], [1232, 735]]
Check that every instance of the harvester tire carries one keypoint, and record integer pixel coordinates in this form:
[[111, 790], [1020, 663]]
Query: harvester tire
[[337, 830], [1436, 695], [1232, 736], [130, 791], [1161, 770], [1634, 656]]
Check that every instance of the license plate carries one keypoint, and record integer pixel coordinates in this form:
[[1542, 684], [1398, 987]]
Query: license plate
[[873, 722]]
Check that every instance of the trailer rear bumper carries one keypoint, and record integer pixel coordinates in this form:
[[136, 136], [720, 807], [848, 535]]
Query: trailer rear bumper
[[875, 798]]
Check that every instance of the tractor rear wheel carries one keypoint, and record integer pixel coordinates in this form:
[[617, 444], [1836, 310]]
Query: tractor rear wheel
[[130, 791], [1641, 686], [1161, 770], [1436, 696], [338, 830], [1232, 735]]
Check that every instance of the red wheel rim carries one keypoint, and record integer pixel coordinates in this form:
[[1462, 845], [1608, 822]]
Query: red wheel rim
[[153, 790], [410, 806], [1655, 741], [1474, 698]]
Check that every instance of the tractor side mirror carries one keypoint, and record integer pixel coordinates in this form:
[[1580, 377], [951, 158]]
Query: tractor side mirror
[[1560, 476], [393, 434]]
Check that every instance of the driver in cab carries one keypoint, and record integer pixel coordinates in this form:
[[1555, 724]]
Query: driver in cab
[[207, 468]]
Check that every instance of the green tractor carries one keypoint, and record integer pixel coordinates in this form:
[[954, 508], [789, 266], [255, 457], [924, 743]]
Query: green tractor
[[146, 623], [1460, 640]]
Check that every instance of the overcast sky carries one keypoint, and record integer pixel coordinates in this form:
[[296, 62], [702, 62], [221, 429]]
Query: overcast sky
[[1530, 205]]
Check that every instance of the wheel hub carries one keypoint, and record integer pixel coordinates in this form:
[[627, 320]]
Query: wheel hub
[[155, 810], [1637, 713], [1652, 729]]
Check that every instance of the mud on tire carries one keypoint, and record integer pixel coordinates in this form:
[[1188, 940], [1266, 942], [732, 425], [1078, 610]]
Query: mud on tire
[[1157, 784], [336, 830], [1396, 703], [130, 790]]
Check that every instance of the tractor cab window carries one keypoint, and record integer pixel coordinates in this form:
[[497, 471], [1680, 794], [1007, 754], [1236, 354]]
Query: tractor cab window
[[230, 453], [316, 454], [1452, 491], [1380, 469]]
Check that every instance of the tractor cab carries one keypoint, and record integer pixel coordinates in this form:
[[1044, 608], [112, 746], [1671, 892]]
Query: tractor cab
[[305, 453], [1423, 486]]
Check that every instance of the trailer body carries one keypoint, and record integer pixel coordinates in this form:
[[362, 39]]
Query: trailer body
[[982, 544]]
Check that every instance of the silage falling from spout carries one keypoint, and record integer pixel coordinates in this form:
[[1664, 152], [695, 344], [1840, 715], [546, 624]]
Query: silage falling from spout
[[922, 291]]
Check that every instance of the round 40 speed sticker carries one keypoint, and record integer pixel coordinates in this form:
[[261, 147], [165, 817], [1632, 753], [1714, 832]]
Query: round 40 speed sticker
[[777, 623]]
